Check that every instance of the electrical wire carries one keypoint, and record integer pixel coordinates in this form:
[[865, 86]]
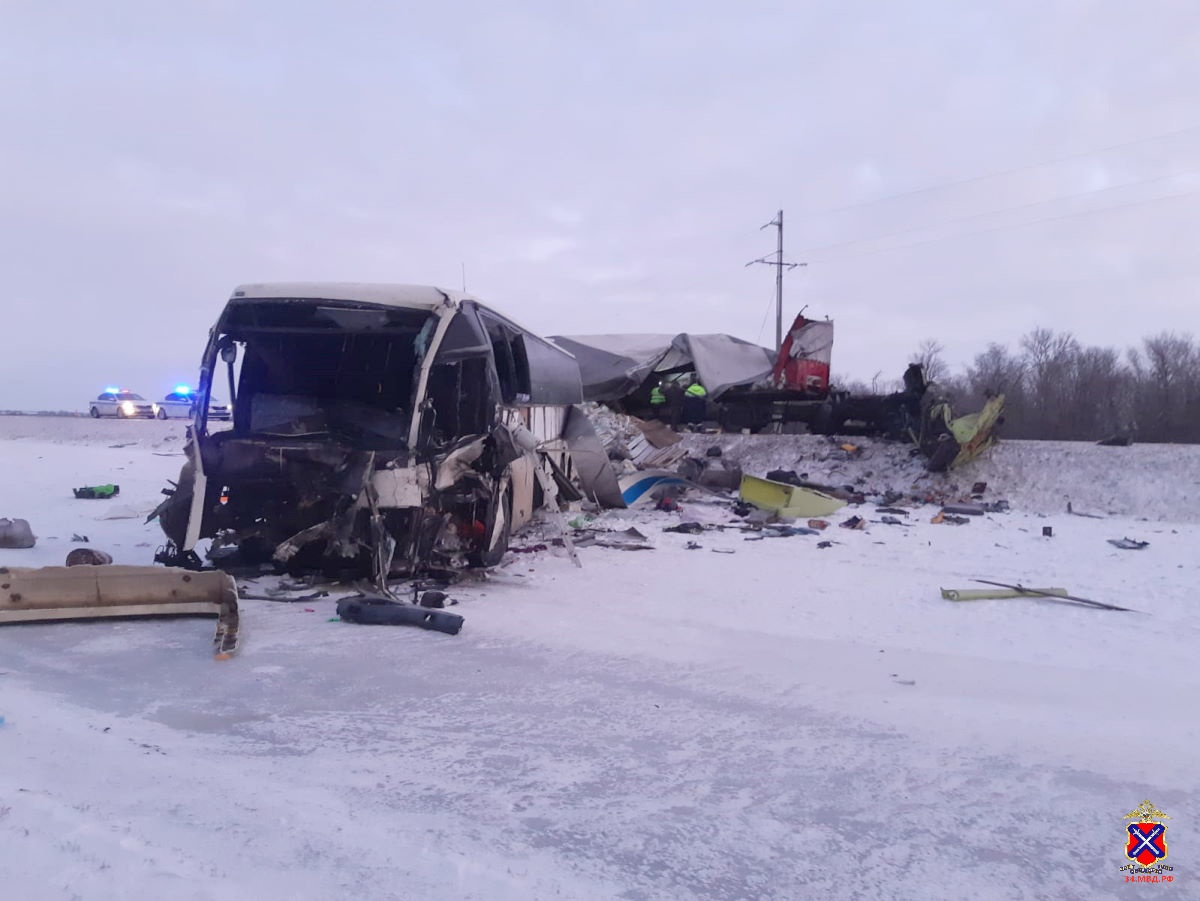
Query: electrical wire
[[1001, 172], [985, 213], [1039, 221]]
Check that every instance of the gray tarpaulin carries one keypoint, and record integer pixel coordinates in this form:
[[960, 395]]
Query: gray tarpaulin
[[614, 366]]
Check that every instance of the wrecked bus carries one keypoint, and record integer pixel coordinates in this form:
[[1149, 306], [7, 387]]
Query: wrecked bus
[[377, 430]]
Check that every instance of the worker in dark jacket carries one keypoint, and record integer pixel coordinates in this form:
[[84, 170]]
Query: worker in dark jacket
[[673, 392], [695, 403]]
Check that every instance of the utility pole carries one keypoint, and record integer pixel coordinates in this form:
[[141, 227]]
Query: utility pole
[[779, 264]]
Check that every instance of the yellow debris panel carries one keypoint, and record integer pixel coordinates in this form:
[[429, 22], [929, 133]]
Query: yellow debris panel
[[788, 500]]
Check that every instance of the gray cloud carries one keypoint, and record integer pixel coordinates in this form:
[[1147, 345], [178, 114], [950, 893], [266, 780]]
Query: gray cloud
[[592, 164]]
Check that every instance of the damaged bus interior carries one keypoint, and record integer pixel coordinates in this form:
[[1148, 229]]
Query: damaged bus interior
[[377, 429]]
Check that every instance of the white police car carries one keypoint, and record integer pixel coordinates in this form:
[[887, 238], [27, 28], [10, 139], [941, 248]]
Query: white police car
[[181, 404], [122, 404]]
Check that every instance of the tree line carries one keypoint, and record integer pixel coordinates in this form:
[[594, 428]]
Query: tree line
[[1057, 388]]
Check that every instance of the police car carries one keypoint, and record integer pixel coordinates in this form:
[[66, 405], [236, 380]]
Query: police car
[[122, 404], [181, 404]]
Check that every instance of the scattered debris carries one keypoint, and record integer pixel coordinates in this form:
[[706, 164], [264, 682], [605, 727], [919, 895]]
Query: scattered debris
[[1054, 597], [943, 517], [723, 550], [964, 509], [997, 594], [854, 522], [16, 533], [629, 540], [97, 492], [1128, 544], [86, 556], [1047, 531], [893, 521], [825, 544], [819, 524], [978, 488], [82, 538], [897, 511], [685, 528], [435, 599], [374, 611], [788, 500], [693, 546], [96, 592]]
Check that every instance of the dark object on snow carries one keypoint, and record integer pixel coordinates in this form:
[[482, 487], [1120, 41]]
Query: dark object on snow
[[964, 509], [667, 504], [714, 451], [170, 555], [384, 612], [694, 546], [824, 544], [434, 599], [854, 522], [1128, 544], [82, 538], [1047, 531], [955, 520], [1057, 597], [979, 488], [86, 556], [892, 521], [741, 508], [686, 528], [1121, 439], [97, 492], [15, 533], [896, 510]]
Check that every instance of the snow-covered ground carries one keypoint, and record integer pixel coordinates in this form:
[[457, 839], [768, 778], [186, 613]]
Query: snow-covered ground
[[783, 721]]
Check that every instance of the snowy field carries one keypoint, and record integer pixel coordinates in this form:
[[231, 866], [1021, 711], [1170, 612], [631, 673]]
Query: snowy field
[[783, 721]]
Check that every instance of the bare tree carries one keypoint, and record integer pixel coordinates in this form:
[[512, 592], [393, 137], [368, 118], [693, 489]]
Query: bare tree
[[929, 354]]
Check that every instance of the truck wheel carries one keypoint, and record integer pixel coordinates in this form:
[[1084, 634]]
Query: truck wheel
[[161, 414]]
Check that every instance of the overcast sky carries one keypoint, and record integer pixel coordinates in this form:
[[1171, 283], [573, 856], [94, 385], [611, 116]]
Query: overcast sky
[[597, 167]]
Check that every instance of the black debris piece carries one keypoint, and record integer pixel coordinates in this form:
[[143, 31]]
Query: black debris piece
[[370, 611], [1128, 544], [964, 509], [686, 528]]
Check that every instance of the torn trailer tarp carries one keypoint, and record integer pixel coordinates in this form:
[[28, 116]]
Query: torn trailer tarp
[[614, 366]]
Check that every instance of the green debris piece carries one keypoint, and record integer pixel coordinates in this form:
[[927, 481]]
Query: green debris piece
[[97, 492]]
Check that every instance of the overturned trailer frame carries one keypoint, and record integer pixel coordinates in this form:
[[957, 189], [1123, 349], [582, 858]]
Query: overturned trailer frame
[[381, 429]]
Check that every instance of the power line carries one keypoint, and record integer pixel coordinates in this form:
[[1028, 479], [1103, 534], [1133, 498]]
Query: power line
[[985, 213], [977, 178], [984, 231]]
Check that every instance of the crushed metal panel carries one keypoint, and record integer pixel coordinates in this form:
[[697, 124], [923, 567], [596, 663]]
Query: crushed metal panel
[[402, 487], [596, 477]]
